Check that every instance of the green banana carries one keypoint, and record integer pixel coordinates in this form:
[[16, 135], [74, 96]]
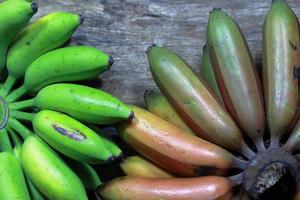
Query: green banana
[[114, 149], [159, 105], [45, 34], [86, 173], [33, 191], [65, 64], [81, 102], [14, 15], [12, 181], [48, 172], [207, 73], [70, 137]]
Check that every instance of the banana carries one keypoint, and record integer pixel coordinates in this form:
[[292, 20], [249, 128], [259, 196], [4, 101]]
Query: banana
[[139, 167], [236, 75], [81, 102], [281, 58], [293, 142], [12, 181], [43, 35], [159, 105], [48, 172], [70, 137], [33, 191], [189, 96], [207, 74], [63, 65], [86, 173], [165, 144], [14, 15], [201, 188]]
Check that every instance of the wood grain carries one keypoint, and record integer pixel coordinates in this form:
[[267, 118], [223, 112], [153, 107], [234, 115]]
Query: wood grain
[[124, 28]]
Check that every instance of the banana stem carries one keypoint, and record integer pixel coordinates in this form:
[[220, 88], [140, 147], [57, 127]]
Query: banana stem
[[16, 140], [19, 128], [5, 144], [16, 94], [21, 104], [9, 83], [22, 115], [237, 179]]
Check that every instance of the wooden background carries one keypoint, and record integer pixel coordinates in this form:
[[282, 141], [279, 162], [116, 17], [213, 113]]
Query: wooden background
[[125, 28]]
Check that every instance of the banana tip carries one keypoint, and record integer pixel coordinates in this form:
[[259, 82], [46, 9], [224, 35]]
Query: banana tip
[[110, 61], [111, 159], [34, 7], [147, 93], [81, 18], [150, 47], [215, 9], [131, 115]]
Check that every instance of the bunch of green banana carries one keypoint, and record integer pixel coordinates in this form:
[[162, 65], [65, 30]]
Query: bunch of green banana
[[52, 160]]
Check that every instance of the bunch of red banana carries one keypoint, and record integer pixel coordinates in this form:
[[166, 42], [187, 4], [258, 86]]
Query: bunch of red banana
[[197, 123]]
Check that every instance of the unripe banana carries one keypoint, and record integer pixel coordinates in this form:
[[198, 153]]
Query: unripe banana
[[140, 167], [137, 188], [14, 15], [43, 35], [70, 137], [33, 191], [236, 75], [49, 173], [281, 58], [63, 65], [86, 173], [159, 105], [12, 181], [83, 103]]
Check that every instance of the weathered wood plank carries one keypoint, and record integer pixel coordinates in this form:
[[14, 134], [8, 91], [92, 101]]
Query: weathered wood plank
[[124, 28]]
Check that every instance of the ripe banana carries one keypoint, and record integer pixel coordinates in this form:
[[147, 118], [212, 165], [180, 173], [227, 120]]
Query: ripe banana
[[70, 137], [139, 167], [189, 96], [166, 145], [48, 172], [236, 75], [201, 188], [63, 65], [14, 15], [86, 173], [281, 58], [159, 105], [81, 102], [43, 35], [207, 74]]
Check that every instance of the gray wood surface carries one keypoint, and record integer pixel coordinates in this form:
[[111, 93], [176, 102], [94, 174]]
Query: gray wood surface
[[125, 28]]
